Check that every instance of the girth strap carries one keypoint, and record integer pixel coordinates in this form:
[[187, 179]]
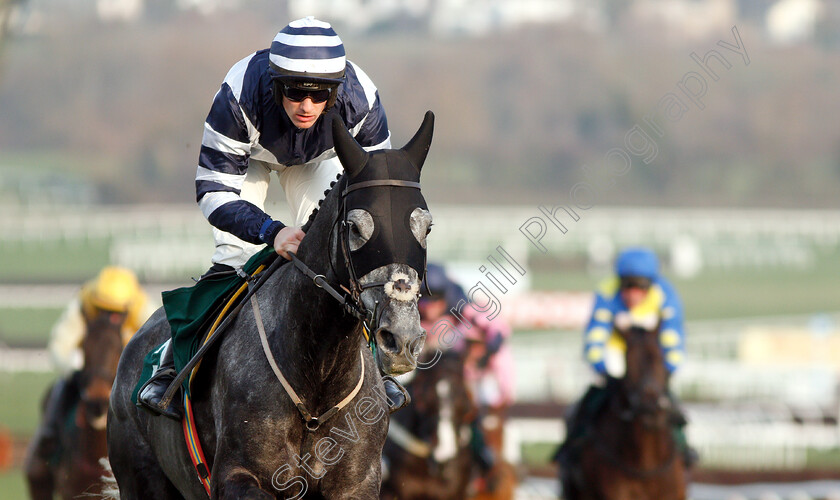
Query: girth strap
[[312, 423]]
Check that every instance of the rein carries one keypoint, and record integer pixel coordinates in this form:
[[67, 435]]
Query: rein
[[352, 307], [351, 304]]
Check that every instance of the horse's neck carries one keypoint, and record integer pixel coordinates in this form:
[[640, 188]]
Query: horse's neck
[[93, 444], [314, 325], [640, 444]]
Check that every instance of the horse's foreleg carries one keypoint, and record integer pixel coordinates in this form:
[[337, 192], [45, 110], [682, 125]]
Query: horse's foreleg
[[242, 485], [39, 478]]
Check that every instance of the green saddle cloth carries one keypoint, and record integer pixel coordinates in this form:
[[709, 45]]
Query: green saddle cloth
[[190, 310]]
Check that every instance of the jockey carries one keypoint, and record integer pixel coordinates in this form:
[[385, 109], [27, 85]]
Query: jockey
[[114, 290], [488, 366], [272, 114], [636, 296]]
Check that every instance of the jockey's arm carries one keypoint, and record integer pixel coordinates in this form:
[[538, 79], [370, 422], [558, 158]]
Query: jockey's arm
[[598, 331], [66, 338], [672, 331], [222, 165]]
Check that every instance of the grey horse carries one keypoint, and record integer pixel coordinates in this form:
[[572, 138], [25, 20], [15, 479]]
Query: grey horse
[[256, 443]]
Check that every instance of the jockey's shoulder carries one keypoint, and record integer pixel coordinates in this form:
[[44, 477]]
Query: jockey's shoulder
[[608, 287], [667, 288]]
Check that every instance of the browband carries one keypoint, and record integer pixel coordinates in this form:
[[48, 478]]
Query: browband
[[385, 182]]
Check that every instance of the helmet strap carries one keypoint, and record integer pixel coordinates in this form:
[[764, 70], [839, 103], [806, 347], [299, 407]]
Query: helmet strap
[[331, 100]]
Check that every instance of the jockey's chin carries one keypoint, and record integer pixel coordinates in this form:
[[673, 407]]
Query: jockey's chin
[[305, 113]]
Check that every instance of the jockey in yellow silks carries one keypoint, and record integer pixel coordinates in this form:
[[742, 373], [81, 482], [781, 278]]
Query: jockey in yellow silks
[[113, 290]]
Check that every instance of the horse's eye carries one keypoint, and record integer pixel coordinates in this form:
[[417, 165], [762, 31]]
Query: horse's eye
[[359, 227], [421, 224]]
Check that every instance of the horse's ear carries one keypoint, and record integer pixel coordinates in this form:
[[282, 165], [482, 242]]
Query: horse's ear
[[351, 155], [418, 147]]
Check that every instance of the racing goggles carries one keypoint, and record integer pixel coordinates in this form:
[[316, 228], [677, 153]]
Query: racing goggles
[[635, 282], [318, 94]]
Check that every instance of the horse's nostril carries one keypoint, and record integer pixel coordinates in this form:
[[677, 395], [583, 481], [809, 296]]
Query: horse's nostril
[[402, 285], [387, 341], [416, 345]]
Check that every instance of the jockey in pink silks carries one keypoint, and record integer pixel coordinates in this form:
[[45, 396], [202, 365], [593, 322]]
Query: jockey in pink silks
[[488, 360]]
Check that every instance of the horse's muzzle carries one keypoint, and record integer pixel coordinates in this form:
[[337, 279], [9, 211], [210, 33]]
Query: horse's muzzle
[[398, 351]]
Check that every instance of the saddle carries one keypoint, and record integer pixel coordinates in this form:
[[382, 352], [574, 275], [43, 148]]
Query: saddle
[[195, 313]]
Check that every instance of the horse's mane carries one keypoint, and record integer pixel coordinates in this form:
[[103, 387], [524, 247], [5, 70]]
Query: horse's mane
[[314, 213]]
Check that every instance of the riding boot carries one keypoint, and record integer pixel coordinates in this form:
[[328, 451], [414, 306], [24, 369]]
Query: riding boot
[[152, 392], [578, 419], [678, 423], [563, 455], [397, 395], [484, 455], [45, 446]]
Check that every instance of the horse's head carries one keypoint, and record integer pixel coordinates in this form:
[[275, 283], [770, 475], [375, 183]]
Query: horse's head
[[382, 236], [646, 378], [102, 347], [440, 412]]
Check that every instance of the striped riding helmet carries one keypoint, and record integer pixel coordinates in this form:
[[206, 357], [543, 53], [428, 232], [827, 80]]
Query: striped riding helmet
[[308, 51]]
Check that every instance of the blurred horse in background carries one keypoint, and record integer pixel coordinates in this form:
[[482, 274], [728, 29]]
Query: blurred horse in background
[[631, 452], [428, 453], [74, 468]]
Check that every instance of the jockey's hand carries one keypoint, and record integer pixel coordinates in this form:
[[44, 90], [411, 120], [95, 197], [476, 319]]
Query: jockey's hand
[[622, 321], [288, 240]]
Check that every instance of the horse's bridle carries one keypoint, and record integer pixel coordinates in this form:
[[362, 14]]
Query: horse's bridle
[[350, 296]]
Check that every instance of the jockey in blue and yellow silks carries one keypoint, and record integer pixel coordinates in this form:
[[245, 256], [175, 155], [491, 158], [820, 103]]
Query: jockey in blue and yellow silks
[[637, 296]]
